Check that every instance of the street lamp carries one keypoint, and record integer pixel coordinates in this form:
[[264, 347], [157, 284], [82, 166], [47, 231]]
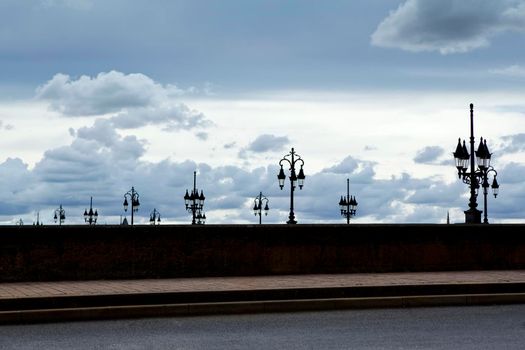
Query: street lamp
[[258, 206], [477, 176], [292, 158], [154, 216], [134, 198], [348, 204], [195, 203], [60, 215], [90, 217]]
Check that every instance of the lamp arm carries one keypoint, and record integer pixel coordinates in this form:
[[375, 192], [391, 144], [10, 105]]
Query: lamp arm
[[285, 159]]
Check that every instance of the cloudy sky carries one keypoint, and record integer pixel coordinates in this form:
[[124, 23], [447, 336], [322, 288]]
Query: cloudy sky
[[97, 96]]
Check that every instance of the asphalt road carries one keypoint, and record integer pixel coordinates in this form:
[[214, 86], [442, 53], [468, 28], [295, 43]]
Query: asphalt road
[[486, 327]]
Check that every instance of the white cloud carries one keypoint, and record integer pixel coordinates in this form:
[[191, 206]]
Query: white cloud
[[73, 4], [448, 26], [106, 93], [132, 100], [173, 117], [103, 164], [515, 71]]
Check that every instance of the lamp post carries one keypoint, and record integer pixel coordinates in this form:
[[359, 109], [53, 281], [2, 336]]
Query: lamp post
[[195, 203], [134, 198], [258, 206], [475, 176], [292, 158], [348, 204], [154, 217], [60, 215], [90, 217], [38, 223]]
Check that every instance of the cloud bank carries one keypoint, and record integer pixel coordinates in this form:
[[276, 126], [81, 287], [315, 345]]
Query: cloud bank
[[101, 163]]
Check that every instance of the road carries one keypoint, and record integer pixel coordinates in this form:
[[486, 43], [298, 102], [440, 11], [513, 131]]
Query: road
[[488, 327]]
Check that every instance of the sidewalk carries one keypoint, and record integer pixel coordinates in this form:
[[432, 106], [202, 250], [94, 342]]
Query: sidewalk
[[75, 300]]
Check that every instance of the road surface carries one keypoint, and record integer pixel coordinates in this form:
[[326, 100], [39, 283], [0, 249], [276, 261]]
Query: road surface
[[486, 327]]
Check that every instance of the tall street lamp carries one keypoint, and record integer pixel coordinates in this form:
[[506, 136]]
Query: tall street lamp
[[154, 217], [195, 203], [292, 158], [134, 198], [475, 176], [348, 204], [90, 217], [60, 215], [258, 206]]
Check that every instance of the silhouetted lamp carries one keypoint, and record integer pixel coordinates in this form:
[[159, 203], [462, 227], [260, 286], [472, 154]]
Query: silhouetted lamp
[[134, 198], [258, 206], [90, 217], [475, 176], [348, 204], [154, 217], [60, 215], [292, 159], [194, 203]]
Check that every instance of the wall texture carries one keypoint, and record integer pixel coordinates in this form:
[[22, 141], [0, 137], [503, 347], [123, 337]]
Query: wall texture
[[118, 252]]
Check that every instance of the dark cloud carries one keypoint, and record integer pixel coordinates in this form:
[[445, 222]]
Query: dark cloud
[[429, 155], [7, 127], [264, 143], [203, 136], [347, 166], [512, 143], [448, 26], [267, 142]]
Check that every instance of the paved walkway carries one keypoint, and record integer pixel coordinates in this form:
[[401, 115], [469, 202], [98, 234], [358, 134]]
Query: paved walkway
[[111, 287]]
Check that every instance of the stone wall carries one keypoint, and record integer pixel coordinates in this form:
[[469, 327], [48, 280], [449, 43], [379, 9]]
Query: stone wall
[[122, 252]]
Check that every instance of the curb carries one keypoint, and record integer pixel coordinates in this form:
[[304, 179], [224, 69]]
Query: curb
[[252, 307]]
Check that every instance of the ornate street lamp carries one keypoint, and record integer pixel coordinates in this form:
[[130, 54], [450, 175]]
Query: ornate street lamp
[[292, 158], [476, 176], [258, 206], [195, 203], [90, 217], [60, 215], [154, 217], [134, 198], [348, 204]]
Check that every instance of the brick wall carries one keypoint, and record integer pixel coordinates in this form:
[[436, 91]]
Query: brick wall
[[106, 252]]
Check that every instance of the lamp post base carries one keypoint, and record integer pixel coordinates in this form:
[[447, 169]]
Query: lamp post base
[[291, 221], [472, 216]]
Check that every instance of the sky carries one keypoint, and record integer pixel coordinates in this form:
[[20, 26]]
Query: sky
[[98, 96]]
